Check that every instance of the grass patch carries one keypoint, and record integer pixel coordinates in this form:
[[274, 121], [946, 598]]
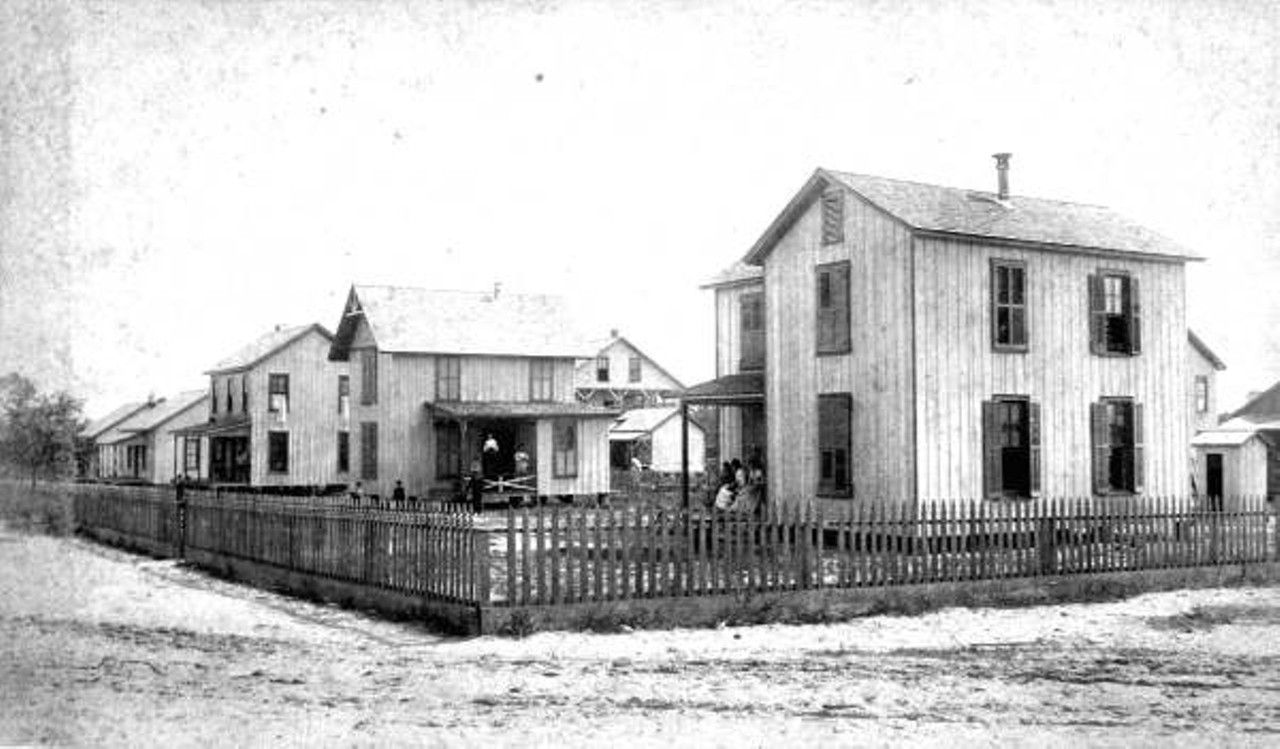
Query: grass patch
[[45, 508]]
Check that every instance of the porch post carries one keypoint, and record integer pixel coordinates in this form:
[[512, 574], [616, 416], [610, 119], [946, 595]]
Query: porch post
[[684, 451]]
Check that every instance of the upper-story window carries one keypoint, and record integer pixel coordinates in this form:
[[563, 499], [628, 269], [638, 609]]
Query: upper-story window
[[541, 380], [278, 393], [368, 377], [1008, 305], [344, 396], [602, 369], [1115, 323], [751, 323], [213, 397], [633, 369], [1202, 394], [1117, 445], [448, 378], [228, 401], [833, 217], [833, 308], [244, 394]]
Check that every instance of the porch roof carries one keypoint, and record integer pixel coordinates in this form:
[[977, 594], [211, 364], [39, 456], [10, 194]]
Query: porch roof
[[741, 388], [520, 410], [238, 423]]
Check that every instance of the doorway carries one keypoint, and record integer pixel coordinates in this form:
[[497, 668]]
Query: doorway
[[1213, 479]]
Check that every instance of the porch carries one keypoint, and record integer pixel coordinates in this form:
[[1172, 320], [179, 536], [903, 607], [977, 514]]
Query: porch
[[740, 422], [229, 450]]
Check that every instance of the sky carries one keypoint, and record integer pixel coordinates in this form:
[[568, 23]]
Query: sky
[[232, 165]]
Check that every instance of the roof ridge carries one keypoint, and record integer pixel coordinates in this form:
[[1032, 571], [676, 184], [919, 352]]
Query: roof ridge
[[984, 193], [474, 292]]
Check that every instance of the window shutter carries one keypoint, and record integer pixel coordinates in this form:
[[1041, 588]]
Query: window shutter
[[1033, 429], [1101, 447], [993, 281], [1135, 318], [992, 446], [1139, 471], [840, 307], [823, 313], [1097, 315]]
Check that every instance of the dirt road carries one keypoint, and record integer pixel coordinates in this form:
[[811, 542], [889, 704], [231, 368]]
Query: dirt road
[[99, 647]]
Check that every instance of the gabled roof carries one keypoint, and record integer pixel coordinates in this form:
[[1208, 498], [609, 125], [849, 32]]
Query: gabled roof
[[406, 319], [98, 426], [1264, 406], [127, 429], [1205, 351], [165, 410], [643, 420], [264, 346], [956, 212], [1222, 438], [743, 387], [605, 343], [734, 275]]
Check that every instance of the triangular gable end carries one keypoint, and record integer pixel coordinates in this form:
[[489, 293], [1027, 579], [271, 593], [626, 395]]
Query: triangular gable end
[[352, 315]]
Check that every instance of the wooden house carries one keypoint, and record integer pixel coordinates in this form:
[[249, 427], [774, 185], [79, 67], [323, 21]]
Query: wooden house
[[449, 383], [1259, 415], [652, 437], [278, 415], [1231, 464], [142, 447], [927, 342], [99, 461], [620, 375], [1202, 398]]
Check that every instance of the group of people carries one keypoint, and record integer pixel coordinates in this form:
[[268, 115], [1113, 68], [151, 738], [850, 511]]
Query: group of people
[[741, 487]]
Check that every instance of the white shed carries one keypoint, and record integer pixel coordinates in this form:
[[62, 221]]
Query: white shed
[[1230, 464], [653, 436]]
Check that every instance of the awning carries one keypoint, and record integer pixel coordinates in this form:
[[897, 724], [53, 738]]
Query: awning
[[735, 389], [234, 424], [520, 410]]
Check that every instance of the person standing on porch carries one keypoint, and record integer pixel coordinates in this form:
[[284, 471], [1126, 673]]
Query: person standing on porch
[[489, 454], [522, 461]]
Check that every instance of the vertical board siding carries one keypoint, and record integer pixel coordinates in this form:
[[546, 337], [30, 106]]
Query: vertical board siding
[[877, 371], [167, 464], [593, 459], [729, 325], [1200, 366], [957, 369]]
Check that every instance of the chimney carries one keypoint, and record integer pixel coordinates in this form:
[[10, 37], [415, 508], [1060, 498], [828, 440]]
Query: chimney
[[1002, 172], [613, 332]]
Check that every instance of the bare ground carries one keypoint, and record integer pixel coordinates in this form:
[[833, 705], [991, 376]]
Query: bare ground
[[99, 647]]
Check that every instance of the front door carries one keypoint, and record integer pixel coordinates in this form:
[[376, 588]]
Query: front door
[[1213, 479]]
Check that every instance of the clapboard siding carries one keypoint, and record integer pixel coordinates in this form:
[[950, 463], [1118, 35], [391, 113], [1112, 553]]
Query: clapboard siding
[[877, 371], [957, 369]]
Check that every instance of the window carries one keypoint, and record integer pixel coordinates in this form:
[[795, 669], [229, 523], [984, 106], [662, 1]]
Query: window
[[278, 452], [833, 308], [344, 396], [368, 450], [564, 448], [344, 452], [213, 397], [228, 383], [832, 217], [602, 369], [368, 377], [136, 459], [448, 378], [244, 394], [1011, 447], [633, 369], [1202, 394], [1115, 323], [448, 450], [1008, 305], [278, 393], [751, 322], [835, 411], [1117, 446], [191, 455], [541, 380]]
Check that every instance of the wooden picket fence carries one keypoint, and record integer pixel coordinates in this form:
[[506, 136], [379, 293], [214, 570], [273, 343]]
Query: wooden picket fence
[[569, 555]]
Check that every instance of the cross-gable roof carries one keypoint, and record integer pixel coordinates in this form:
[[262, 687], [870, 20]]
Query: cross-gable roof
[[264, 346], [643, 420], [100, 425], [949, 211], [407, 319]]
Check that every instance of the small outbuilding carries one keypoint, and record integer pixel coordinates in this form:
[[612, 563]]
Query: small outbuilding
[[652, 436], [1230, 464]]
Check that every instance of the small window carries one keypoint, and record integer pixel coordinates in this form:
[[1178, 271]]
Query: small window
[[369, 377], [213, 397], [633, 369], [1008, 305], [1202, 394], [1011, 447], [1115, 321], [244, 394], [344, 452], [835, 412], [448, 450], [564, 448], [344, 396], [369, 450], [751, 322], [832, 217], [541, 380], [833, 308], [278, 452], [448, 378], [191, 455], [602, 369], [228, 409], [278, 393], [1117, 425]]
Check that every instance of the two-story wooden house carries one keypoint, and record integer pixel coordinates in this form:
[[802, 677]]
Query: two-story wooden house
[[928, 342], [620, 375], [278, 410], [450, 382]]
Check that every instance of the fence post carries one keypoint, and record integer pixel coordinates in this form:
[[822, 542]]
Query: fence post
[[480, 546], [180, 520], [1046, 535]]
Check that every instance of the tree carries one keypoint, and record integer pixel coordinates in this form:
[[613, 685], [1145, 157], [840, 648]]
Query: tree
[[38, 431]]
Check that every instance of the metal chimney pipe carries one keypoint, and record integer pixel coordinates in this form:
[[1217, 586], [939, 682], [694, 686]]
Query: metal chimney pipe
[[1002, 174]]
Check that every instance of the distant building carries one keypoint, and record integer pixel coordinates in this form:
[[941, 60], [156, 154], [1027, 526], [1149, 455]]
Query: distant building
[[1203, 397], [652, 436], [143, 447], [620, 375], [99, 464]]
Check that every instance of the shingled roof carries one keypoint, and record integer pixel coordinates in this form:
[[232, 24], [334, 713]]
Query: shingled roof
[[950, 211], [165, 410], [265, 346], [738, 273], [408, 319]]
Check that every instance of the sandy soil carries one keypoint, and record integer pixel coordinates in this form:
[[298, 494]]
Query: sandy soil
[[99, 647]]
